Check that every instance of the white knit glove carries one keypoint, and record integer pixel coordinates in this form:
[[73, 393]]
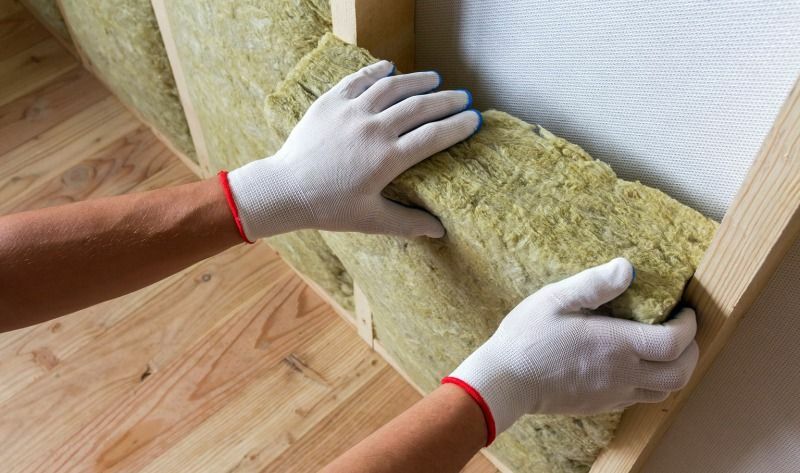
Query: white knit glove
[[549, 357], [352, 142]]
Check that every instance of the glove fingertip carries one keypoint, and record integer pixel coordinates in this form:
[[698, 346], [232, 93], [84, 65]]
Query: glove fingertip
[[622, 273], [436, 232], [428, 226], [439, 79], [480, 119]]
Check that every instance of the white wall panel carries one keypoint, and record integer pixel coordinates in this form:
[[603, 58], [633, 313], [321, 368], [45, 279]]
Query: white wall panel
[[677, 94]]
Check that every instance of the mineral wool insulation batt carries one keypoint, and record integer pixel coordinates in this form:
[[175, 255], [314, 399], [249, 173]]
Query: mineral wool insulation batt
[[522, 208]]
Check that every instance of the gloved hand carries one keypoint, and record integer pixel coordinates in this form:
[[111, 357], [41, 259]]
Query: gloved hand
[[548, 357], [352, 142]]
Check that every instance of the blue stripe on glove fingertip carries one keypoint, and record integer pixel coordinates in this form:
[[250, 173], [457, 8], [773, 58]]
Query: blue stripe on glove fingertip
[[480, 121], [439, 77], [469, 98]]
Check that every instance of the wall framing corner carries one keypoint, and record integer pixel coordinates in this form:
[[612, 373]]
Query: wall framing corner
[[386, 29]]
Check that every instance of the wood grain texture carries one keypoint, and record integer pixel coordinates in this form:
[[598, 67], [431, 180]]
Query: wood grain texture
[[62, 146], [233, 364], [30, 69], [760, 226], [196, 130], [386, 29], [18, 32], [116, 168], [367, 404], [37, 112], [345, 314], [478, 463]]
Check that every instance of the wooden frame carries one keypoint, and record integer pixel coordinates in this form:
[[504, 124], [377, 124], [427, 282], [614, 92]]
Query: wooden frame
[[195, 129], [384, 28], [760, 226]]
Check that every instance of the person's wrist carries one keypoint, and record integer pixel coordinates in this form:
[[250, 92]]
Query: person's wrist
[[233, 211], [482, 376], [478, 401], [267, 199], [471, 418]]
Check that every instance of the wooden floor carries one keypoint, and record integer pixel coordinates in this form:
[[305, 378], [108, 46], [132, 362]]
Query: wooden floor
[[231, 365]]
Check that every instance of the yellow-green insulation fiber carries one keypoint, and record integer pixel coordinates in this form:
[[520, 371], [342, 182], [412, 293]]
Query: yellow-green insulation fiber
[[48, 12], [522, 208], [121, 40], [233, 53]]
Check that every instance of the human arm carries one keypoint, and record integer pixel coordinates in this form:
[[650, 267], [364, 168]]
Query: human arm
[[60, 259], [548, 356], [439, 434], [329, 174]]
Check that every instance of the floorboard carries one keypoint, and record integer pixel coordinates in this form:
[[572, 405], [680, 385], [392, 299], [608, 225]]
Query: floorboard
[[28, 70], [231, 365], [37, 112], [19, 32]]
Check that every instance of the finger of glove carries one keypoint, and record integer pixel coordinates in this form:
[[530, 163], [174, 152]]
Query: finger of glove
[[661, 342], [432, 137], [668, 375], [593, 287], [355, 84], [390, 90], [397, 219], [421, 109], [649, 395]]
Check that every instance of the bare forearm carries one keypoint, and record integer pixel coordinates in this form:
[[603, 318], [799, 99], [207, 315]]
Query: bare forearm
[[440, 433], [61, 259]]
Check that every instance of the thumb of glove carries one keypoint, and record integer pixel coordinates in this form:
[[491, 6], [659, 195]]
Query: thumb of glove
[[593, 287], [397, 219]]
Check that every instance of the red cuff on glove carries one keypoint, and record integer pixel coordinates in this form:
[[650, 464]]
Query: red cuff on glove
[[491, 432], [226, 189]]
